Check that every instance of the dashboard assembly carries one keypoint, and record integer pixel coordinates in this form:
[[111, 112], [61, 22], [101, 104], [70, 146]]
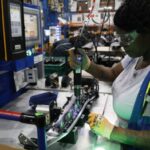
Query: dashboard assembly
[[62, 121]]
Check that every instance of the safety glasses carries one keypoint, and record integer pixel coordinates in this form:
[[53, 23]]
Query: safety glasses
[[127, 38]]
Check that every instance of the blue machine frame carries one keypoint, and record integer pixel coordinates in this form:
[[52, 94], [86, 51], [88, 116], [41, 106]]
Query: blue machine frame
[[24, 118]]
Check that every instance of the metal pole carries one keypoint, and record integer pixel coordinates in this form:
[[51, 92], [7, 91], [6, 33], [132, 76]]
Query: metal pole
[[34, 119], [42, 143]]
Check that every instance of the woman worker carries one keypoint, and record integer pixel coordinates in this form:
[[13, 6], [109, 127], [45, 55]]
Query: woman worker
[[130, 77]]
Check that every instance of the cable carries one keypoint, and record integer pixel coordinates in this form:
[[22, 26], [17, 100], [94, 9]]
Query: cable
[[102, 26], [78, 71]]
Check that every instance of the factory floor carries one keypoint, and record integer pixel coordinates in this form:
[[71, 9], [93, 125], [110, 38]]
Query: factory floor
[[10, 130]]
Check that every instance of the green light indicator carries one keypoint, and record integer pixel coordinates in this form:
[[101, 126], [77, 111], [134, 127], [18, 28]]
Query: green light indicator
[[29, 52], [38, 114]]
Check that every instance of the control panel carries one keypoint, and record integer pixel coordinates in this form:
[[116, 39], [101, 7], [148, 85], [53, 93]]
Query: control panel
[[12, 30]]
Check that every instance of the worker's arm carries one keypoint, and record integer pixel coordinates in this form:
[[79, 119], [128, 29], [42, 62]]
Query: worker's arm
[[98, 71], [131, 137], [105, 73]]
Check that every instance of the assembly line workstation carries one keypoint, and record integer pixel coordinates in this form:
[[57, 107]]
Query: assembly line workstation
[[86, 140]]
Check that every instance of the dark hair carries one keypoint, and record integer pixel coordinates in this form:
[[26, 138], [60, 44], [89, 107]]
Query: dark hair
[[133, 15]]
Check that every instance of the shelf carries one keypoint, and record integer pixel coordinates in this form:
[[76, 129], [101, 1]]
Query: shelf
[[82, 12], [75, 24]]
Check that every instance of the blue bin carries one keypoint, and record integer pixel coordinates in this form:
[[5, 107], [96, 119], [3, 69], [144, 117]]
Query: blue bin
[[42, 99]]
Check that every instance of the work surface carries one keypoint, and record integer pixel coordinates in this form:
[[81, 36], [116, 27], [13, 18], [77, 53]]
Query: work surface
[[9, 130]]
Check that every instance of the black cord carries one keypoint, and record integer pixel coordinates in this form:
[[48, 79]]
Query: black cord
[[96, 44]]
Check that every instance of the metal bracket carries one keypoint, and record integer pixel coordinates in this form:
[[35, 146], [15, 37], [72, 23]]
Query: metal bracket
[[26, 142]]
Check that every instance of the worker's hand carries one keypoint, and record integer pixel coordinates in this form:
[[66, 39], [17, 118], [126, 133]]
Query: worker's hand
[[75, 63], [100, 125]]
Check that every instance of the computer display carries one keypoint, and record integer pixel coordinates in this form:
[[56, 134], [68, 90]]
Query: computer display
[[15, 19], [32, 26]]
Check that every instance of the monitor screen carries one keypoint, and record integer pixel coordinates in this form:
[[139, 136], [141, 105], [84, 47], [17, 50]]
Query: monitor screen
[[15, 18], [31, 26]]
